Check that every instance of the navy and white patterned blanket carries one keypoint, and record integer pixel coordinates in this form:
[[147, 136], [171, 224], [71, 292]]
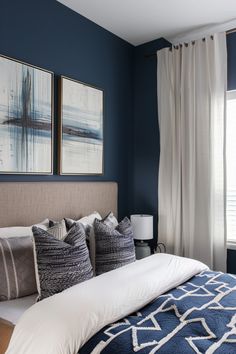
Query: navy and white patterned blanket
[[199, 316]]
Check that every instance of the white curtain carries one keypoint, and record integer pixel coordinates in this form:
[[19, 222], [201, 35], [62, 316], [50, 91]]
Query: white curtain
[[191, 107]]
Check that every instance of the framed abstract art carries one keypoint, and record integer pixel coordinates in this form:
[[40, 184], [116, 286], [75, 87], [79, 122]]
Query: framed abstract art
[[26, 118], [81, 128]]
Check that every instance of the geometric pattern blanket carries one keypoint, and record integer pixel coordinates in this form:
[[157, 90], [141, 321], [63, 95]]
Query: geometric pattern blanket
[[198, 316]]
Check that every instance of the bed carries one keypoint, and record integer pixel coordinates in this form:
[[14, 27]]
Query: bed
[[24, 203], [196, 317], [160, 304], [10, 312]]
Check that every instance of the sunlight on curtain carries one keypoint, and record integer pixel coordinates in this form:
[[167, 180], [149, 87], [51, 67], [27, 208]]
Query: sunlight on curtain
[[191, 111]]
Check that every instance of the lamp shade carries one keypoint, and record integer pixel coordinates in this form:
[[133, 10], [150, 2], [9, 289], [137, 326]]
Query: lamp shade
[[143, 226]]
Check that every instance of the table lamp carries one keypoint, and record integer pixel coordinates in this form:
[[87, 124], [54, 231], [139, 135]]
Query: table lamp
[[143, 230]]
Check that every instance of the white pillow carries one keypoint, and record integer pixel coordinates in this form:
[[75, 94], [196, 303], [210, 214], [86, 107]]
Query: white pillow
[[110, 220], [87, 220], [20, 231]]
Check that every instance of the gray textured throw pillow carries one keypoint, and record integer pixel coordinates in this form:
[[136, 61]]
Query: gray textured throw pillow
[[17, 273], [61, 263], [114, 246], [87, 222]]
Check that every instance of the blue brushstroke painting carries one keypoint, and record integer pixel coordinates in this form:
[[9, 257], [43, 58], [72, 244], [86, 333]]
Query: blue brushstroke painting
[[25, 118], [82, 128]]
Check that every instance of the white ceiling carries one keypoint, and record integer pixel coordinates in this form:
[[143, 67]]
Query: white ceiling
[[140, 21]]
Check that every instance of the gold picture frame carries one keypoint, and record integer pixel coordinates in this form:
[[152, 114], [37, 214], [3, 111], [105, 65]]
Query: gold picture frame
[[81, 136], [26, 118]]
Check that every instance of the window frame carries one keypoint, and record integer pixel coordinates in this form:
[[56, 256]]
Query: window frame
[[230, 243]]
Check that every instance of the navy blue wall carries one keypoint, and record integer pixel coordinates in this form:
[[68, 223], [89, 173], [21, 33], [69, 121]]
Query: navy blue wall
[[231, 48], [49, 35], [146, 132]]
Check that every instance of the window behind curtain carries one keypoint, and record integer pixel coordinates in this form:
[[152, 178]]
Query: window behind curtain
[[231, 166]]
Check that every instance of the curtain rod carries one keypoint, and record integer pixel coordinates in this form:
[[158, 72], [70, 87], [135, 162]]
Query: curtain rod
[[231, 31], [154, 54]]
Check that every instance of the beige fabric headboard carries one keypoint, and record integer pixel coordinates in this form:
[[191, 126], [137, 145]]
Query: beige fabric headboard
[[26, 203]]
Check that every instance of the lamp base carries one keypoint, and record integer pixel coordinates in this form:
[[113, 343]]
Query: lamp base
[[142, 249]]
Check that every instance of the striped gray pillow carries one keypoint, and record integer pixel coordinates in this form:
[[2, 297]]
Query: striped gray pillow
[[61, 263], [114, 246], [17, 273], [57, 229]]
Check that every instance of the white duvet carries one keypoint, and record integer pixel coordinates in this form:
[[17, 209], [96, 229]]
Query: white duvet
[[64, 322]]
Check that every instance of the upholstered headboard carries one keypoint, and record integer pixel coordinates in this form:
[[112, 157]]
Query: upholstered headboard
[[26, 203]]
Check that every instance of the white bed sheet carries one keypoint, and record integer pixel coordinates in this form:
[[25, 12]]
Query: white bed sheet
[[67, 320], [12, 310]]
